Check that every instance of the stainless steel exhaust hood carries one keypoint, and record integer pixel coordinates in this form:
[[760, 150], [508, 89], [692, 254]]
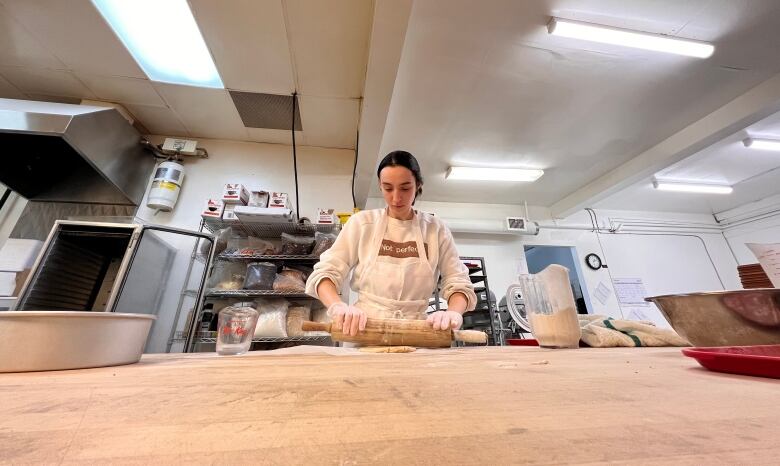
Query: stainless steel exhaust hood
[[71, 153]]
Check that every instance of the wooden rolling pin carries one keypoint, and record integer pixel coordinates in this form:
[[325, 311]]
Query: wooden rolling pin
[[399, 332]]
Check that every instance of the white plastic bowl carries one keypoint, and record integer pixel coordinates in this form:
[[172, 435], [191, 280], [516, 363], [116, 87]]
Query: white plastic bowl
[[57, 340]]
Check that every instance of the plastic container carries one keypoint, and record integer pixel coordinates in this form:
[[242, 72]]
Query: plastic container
[[260, 276], [236, 328], [760, 361]]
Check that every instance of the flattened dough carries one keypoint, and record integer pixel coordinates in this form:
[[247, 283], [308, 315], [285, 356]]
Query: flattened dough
[[387, 349]]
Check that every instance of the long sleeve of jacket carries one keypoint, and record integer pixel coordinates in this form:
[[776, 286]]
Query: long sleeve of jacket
[[336, 263]]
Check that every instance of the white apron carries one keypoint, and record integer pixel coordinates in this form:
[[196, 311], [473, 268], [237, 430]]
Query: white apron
[[383, 283]]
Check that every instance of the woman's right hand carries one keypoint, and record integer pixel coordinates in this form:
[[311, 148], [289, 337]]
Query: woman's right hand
[[349, 319]]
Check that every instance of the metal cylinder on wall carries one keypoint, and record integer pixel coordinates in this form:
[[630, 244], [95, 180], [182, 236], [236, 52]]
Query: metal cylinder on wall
[[166, 186]]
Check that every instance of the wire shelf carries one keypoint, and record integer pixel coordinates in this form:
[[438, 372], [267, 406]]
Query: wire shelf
[[268, 257], [211, 337], [269, 230], [303, 339], [253, 293]]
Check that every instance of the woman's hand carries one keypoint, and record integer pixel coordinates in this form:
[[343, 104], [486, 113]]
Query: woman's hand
[[443, 320], [349, 319]]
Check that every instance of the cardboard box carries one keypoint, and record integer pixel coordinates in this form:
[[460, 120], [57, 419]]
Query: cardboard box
[[279, 200], [213, 209], [247, 214], [229, 215], [235, 193], [326, 216], [19, 254], [258, 198]]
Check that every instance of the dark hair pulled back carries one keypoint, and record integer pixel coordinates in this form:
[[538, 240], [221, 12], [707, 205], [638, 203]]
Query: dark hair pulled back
[[401, 158]]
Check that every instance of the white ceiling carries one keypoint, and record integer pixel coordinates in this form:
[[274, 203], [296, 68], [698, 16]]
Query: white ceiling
[[65, 51], [754, 174], [456, 82], [482, 83]]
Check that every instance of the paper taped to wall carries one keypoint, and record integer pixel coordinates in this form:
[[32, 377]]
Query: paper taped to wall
[[630, 292], [602, 293], [768, 256]]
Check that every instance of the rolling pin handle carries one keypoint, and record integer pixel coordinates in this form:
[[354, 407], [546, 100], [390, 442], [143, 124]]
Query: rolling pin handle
[[470, 336], [308, 326]]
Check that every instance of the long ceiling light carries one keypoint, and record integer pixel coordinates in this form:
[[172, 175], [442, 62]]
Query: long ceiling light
[[164, 39], [692, 187], [764, 144], [628, 38], [493, 174]]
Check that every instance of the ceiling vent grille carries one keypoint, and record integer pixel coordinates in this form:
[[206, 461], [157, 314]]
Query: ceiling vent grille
[[270, 111]]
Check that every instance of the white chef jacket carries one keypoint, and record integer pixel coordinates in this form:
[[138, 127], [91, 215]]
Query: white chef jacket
[[395, 264]]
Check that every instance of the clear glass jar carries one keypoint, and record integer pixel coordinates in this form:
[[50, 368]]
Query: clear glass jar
[[236, 328]]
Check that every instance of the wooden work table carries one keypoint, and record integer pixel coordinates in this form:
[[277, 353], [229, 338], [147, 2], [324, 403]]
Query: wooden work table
[[483, 405]]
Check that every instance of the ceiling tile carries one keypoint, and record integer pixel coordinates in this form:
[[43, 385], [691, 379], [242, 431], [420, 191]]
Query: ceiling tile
[[248, 41], [77, 34], [122, 90], [274, 136], [330, 45], [19, 48], [330, 122], [9, 91], [158, 120], [205, 112], [44, 81]]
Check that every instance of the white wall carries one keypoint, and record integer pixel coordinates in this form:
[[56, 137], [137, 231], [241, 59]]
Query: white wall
[[646, 250], [758, 222], [324, 178], [765, 231]]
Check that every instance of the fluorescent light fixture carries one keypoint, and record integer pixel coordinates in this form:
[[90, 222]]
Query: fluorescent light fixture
[[493, 174], [692, 187], [628, 38], [164, 39], [764, 144]]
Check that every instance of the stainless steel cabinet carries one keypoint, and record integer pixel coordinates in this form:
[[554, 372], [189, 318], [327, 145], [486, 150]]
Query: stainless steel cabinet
[[112, 267]]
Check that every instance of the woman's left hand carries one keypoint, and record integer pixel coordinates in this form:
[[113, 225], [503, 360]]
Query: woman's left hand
[[443, 320]]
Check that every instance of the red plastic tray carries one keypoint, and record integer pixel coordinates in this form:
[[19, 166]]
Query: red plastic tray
[[761, 361], [522, 342]]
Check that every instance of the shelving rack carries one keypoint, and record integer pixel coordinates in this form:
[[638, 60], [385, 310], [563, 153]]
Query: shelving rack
[[211, 337], [264, 231], [484, 316], [269, 230]]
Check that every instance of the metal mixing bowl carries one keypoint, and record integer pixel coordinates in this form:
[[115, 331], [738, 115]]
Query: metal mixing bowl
[[56, 340], [724, 318]]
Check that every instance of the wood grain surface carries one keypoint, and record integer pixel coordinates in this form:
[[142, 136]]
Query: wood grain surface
[[479, 405]]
